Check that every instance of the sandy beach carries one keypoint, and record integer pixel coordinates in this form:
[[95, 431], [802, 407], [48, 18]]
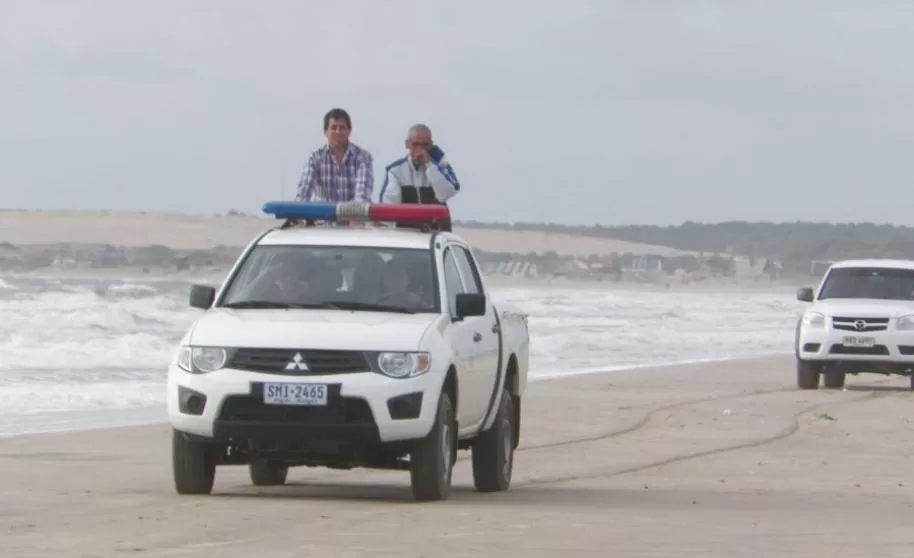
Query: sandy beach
[[180, 231], [712, 460]]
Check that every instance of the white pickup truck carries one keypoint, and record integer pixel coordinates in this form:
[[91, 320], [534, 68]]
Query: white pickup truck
[[349, 347], [860, 319]]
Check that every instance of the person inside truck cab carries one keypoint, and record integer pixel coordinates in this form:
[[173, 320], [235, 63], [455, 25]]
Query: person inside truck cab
[[396, 286], [366, 277], [408, 282], [297, 279]]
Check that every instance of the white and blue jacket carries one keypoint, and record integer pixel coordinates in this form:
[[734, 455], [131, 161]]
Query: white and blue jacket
[[406, 182]]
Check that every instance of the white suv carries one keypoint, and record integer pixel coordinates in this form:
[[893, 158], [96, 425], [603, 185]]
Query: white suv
[[860, 319]]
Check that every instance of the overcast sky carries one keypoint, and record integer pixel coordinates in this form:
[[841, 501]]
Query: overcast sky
[[575, 111]]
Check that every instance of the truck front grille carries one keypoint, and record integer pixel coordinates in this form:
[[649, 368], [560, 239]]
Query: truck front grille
[[308, 361]]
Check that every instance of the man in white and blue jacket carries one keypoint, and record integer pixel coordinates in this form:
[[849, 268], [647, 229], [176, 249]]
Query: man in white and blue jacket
[[423, 176]]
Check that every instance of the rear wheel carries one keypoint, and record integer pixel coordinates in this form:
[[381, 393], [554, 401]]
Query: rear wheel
[[833, 379], [267, 473], [193, 465], [493, 450], [808, 374], [432, 462]]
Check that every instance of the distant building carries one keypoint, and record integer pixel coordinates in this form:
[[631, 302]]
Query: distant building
[[645, 262]]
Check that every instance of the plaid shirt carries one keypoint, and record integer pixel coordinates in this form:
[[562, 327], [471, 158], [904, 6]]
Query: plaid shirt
[[323, 180]]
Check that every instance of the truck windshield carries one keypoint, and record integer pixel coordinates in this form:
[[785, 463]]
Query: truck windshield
[[336, 277], [869, 282]]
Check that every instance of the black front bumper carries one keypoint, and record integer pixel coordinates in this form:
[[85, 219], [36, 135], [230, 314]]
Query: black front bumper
[[248, 431], [246, 418], [343, 433]]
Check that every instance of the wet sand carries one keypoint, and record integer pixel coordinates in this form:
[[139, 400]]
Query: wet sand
[[710, 460]]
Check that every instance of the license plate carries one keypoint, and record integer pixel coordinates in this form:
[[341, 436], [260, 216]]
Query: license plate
[[294, 394], [858, 341]]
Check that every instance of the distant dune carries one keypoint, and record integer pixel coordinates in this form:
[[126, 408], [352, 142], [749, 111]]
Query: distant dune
[[180, 231]]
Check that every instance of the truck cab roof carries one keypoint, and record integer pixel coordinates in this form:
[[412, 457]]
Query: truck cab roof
[[885, 263], [376, 237]]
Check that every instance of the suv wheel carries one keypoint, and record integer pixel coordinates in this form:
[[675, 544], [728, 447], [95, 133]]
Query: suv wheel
[[808, 374]]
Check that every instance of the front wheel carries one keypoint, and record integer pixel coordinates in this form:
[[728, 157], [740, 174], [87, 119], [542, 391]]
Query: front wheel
[[493, 450], [432, 461], [808, 374], [193, 465]]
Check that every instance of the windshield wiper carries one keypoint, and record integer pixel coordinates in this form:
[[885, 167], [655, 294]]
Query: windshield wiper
[[350, 305], [275, 304]]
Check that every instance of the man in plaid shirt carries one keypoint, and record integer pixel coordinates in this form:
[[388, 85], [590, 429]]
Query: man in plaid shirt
[[340, 171]]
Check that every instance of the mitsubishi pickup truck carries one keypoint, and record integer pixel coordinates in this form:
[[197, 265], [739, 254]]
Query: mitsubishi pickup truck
[[368, 346]]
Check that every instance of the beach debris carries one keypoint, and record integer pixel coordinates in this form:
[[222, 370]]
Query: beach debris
[[826, 416]]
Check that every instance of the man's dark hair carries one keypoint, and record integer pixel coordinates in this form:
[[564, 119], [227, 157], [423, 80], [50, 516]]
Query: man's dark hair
[[337, 114]]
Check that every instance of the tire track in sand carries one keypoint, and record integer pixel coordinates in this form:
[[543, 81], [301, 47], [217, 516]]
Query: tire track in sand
[[647, 419], [652, 418]]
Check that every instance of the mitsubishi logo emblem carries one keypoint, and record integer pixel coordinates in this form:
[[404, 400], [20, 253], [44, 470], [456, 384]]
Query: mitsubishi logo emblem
[[860, 325], [297, 363]]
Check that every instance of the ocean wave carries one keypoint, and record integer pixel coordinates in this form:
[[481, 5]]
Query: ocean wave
[[74, 327], [83, 345]]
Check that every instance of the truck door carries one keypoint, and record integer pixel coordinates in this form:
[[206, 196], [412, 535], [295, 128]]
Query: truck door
[[485, 334], [469, 413]]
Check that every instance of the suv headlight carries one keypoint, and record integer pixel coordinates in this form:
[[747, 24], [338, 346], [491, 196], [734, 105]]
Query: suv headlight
[[813, 319], [202, 360], [404, 365], [905, 322]]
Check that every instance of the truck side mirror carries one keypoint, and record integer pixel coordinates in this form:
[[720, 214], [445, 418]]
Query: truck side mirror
[[805, 295], [202, 296], [470, 304]]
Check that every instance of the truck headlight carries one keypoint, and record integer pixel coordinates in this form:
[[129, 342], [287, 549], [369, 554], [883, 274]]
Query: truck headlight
[[202, 360], [404, 365], [905, 322], [813, 320]]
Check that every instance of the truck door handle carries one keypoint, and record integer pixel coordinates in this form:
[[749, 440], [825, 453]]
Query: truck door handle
[[477, 337], [496, 328]]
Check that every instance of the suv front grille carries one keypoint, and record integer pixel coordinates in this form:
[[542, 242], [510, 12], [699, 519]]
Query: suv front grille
[[862, 325]]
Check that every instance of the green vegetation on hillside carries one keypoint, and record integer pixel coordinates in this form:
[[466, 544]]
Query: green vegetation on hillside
[[795, 244]]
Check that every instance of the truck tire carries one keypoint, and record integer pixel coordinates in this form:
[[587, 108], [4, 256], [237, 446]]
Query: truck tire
[[808, 374], [267, 473], [833, 379], [432, 461], [193, 465], [493, 450]]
